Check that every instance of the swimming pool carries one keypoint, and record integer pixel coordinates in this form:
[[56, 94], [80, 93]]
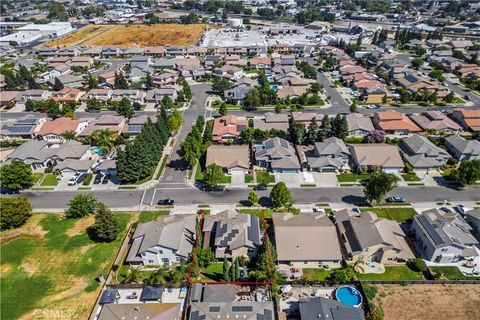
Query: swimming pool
[[274, 87], [349, 296], [97, 150]]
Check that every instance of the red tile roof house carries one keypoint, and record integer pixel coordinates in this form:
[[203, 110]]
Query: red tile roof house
[[228, 128], [67, 95], [260, 63], [394, 122], [52, 131], [468, 119]]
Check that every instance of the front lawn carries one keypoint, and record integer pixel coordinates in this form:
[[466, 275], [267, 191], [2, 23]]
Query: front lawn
[[50, 263], [392, 273], [50, 180], [352, 177], [248, 178], [224, 180], [264, 177], [146, 216], [316, 274], [398, 214], [410, 177], [258, 212], [36, 176]]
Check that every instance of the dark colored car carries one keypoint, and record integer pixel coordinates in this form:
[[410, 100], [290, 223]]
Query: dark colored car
[[98, 178], [261, 187], [396, 199], [165, 202], [105, 179], [81, 178], [214, 188], [466, 97]]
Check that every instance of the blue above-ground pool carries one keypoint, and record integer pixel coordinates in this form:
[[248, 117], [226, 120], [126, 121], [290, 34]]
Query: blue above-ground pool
[[349, 295]]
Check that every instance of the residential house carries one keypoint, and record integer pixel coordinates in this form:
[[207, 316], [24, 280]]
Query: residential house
[[7, 98], [154, 51], [111, 51], [436, 121], [32, 94], [92, 51], [331, 155], [69, 80], [238, 93], [156, 95], [385, 156], [228, 128], [306, 118], [107, 167], [165, 241], [133, 95], [68, 52], [306, 240], [414, 83], [368, 238], [55, 72], [82, 62], [69, 167], [394, 122], [323, 308], [232, 234], [135, 124], [102, 95], [107, 78], [134, 51], [277, 121], [463, 149], [444, 237], [229, 72], [67, 95], [113, 123], [358, 124], [22, 128], [232, 159], [421, 153], [473, 217], [167, 78], [260, 63], [164, 63], [52, 131], [468, 119], [140, 310], [277, 155]]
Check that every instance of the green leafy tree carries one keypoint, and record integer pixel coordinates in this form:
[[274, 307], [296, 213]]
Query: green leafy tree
[[297, 131], [450, 97], [125, 108], [16, 175], [148, 81], [167, 103], [384, 98], [417, 62], [312, 132], [57, 85], [213, 175], [120, 82], [247, 134], [175, 121], [237, 269], [280, 196], [132, 276], [353, 107], [379, 184], [69, 135], [220, 84], [81, 206], [343, 275], [57, 11], [104, 138], [14, 212], [92, 82], [468, 172], [187, 91], [205, 257], [326, 130], [253, 198], [223, 110], [105, 228], [417, 264], [252, 100]]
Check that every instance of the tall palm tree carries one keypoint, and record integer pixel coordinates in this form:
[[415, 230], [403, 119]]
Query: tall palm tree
[[39, 68], [157, 277], [69, 135], [104, 138], [131, 276]]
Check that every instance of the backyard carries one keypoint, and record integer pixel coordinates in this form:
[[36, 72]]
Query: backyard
[[401, 215], [50, 263], [392, 273], [451, 273]]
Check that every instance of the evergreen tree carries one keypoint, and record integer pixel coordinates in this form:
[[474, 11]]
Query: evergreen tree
[[187, 91], [312, 131], [226, 269], [57, 85], [148, 81], [125, 108], [92, 82], [326, 130], [105, 228], [297, 130], [237, 269], [120, 81], [375, 37]]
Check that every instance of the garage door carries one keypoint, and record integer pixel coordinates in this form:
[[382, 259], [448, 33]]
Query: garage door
[[327, 169]]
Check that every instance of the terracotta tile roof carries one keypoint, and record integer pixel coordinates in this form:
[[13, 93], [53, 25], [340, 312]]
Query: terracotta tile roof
[[228, 125], [259, 60], [393, 120], [58, 126], [389, 115]]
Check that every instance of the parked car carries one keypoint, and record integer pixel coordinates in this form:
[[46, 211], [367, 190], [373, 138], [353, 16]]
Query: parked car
[[165, 202], [261, 187], [461, 209], [466, 97], [396, 199], [214, 188], [106, 179], [73, 179], [372, 106], [98, 178]]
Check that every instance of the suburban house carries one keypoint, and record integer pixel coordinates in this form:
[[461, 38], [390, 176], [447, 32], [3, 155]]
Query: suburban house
[[367, 238], [331, 155], [463, 149], [156, 95], [444, 237], [135, 124], [238, 93], [131, 94], [260, 62], [277, 121], [140, 310], [358, 124], [385, 156], [323, 308], [22, 128], [473, 217], [113, 123], [67, 95], [32, 94], [7, 98], [102, 95], [306, 118], [277, 155], [306, 240], [232, 159], [167, 240], [468, 119], [436, 121], [421, 153], [394, 122], [69, 167], [228, 128], [231, 234], [52, 131], [167, 78]]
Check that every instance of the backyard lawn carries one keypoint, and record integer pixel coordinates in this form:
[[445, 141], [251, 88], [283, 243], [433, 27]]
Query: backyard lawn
[[352, 177], [392, 273], [213, 272], [410, 177], [316, 274], [50, 263], [398, 214], [451, 273], [264, 177], [50, 180]]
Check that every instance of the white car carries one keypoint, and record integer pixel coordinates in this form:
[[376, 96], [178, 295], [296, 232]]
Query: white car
[[461, 209]]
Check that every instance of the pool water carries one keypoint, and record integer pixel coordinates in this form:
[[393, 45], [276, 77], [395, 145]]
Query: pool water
[[97, 150], [274, 87], [349, 296]]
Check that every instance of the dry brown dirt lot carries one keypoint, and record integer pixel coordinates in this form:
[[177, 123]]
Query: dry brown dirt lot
[[436, 302]]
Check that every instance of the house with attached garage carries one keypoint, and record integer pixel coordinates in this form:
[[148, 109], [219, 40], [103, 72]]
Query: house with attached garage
[[306, 240], [436, 121], [277, 155], [165, 241], [468, 119], [33, 94], [394, 122], [323, 308], [231, 234], [366, 237], [52, 131], [69, 167], [228, 128], [156, 95], [358, 124], [232, 159], [331, 155], [463, 149], [270, 120], [444, 237], [135, 124], [22, 128], [421, 153], [385, 156]]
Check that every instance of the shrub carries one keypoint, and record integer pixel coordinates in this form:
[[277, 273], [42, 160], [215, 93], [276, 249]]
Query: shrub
[[417, 264], [81, 206], [88, 179], [14, 212]]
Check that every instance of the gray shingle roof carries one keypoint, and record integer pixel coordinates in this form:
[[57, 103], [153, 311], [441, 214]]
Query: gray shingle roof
[[322, 308], [464, 146]]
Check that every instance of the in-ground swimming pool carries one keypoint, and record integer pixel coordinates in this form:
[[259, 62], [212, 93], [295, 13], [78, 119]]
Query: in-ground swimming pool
[[349, 296], [97, 150]]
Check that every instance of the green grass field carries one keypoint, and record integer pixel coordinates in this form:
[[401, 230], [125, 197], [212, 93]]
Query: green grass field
[[50, 263], [316, 274], [258, 212], [452, 273], [352, 177], [50, 180], [146, 216], [213, 272], [410, 177], [392, 273], [398, 214], [36, 176], [265, 177]]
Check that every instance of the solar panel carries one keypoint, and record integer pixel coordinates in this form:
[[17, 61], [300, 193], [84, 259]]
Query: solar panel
[[27, 121], [18, 129], [242, 308], [135, 127]]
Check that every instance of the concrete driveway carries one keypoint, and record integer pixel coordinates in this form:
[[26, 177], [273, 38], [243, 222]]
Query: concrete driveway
[[294, 180], [238, 179], [325, 179], [431, 178]]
